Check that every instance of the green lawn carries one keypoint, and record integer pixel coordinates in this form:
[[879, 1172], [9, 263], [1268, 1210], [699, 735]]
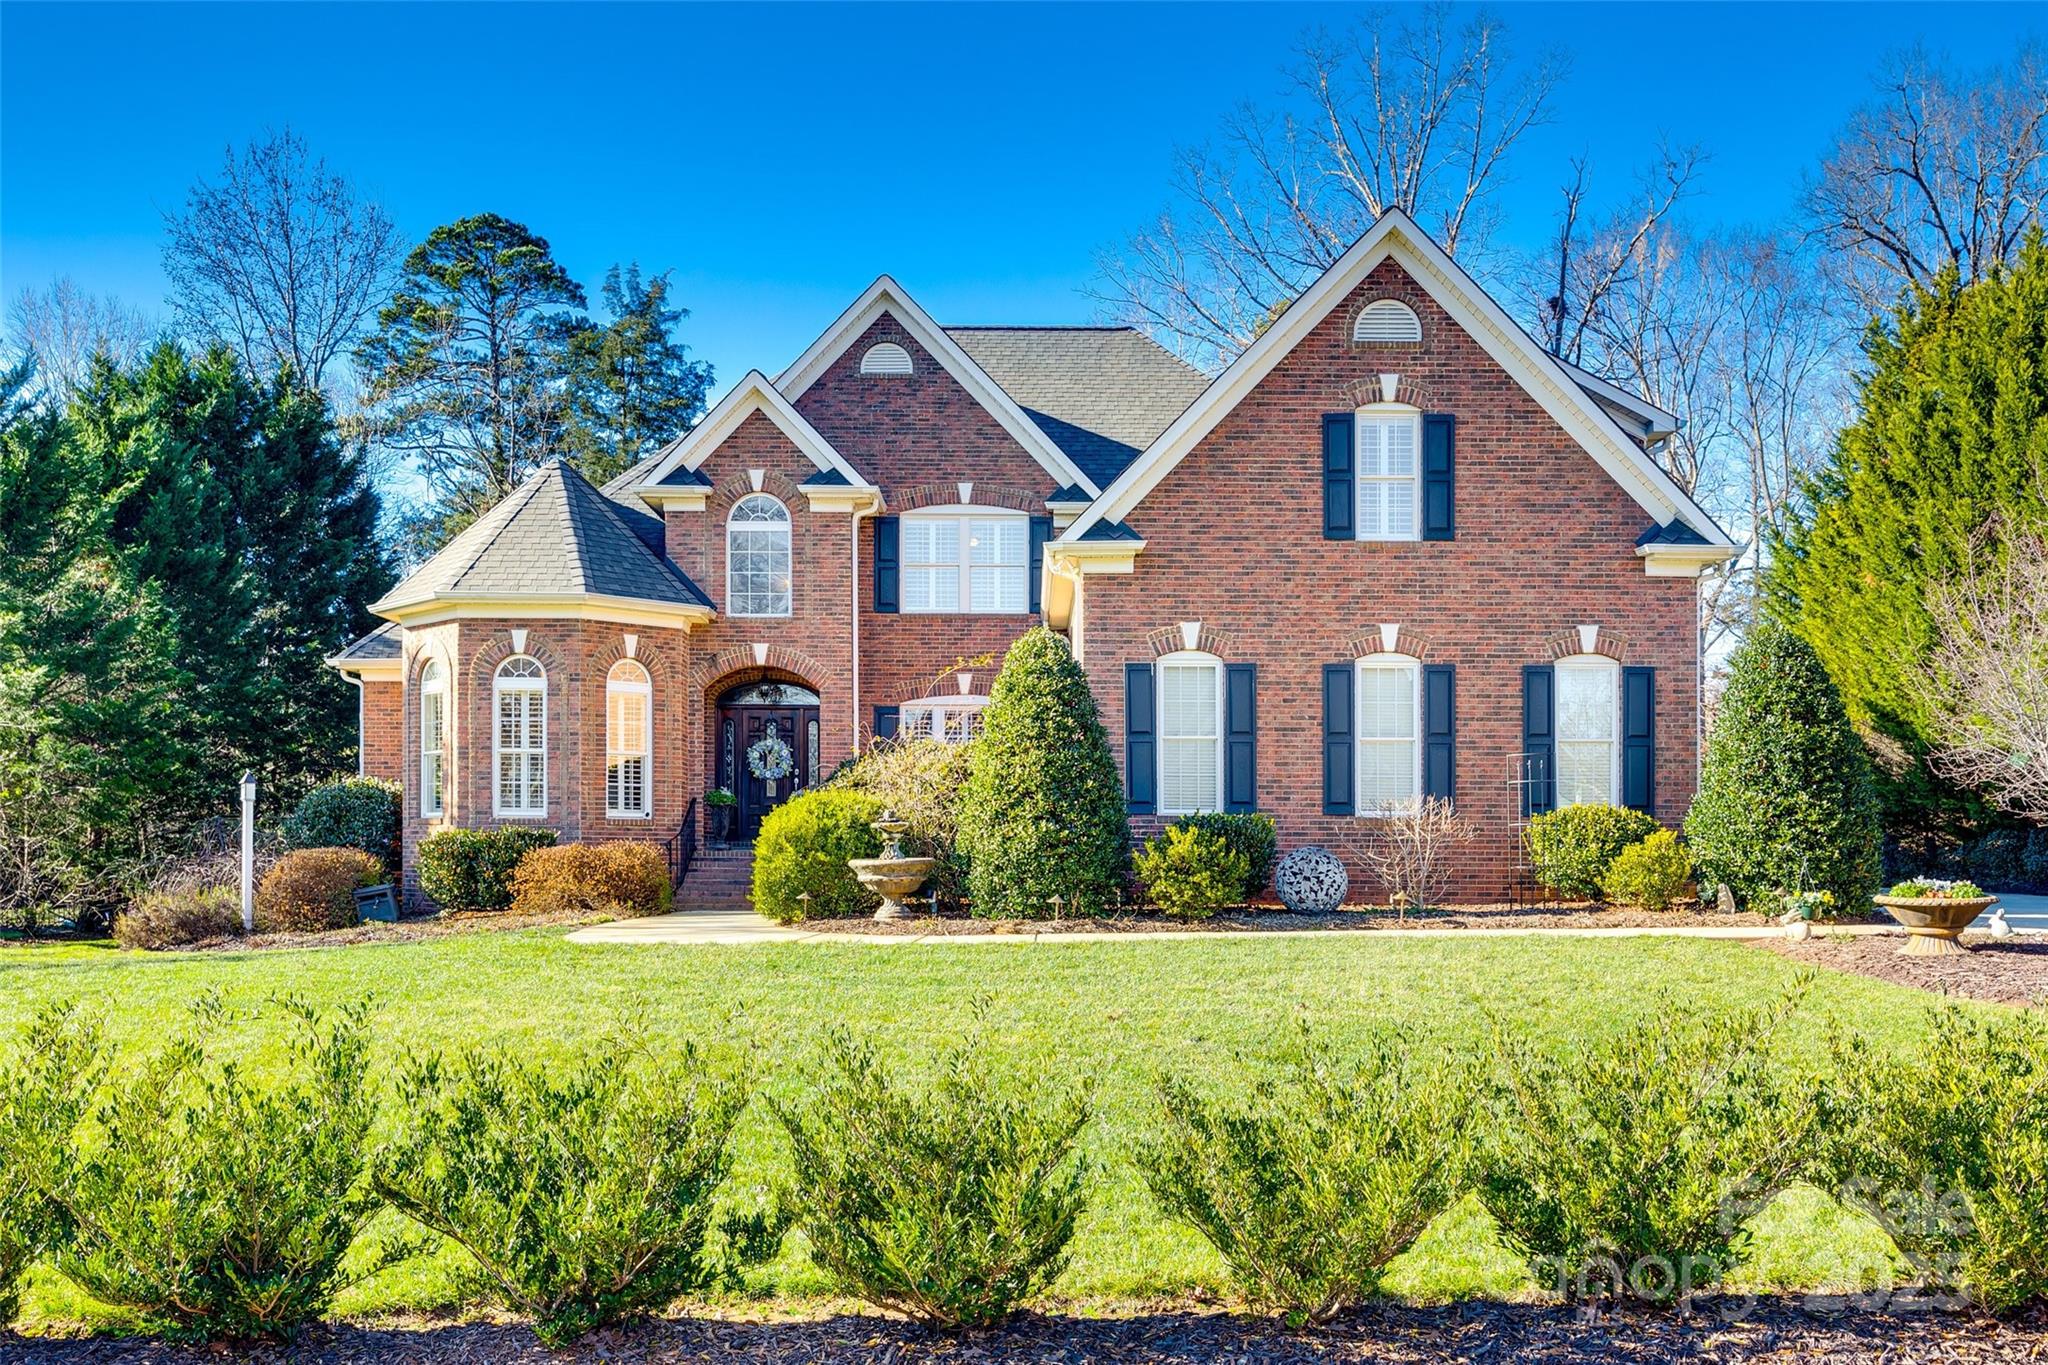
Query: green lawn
[[1114, 1011]]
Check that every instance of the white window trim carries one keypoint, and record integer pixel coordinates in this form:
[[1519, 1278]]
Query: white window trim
[[963, 514], [500, 685], [941, 710], [789, 535], [433, 795], [1413, 666], [1183, 659], [1380, 412], [644, 689], [1588, 663]]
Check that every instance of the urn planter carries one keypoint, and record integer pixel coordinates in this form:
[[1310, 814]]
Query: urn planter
[[1935, 923]]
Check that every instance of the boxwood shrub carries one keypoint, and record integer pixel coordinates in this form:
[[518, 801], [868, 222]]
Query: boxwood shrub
[[354, 812], [1571, 847], [802, 851], [1254, 836], [471, 869], [607, 878], [1190, 873]]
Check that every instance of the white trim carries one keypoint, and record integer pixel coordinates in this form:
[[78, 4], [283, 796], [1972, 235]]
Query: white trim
[[438, 689], [1587, 663], [1395, 235], [754, 393], [1190, 658], [962, 517], [886, 296], [1656, 421], [1386, 414], [788, 524], [643, 688], [1406, 663], [501, 686], [367, 670], [1681, 561], [967, 705], [539, 606]]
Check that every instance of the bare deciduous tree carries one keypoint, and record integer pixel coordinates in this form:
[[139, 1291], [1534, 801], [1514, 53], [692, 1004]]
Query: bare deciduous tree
[[1940, 170], [1589, 265], [1987, 681], [64, 327], [281, 259], [1417, 113], [1410, 851]]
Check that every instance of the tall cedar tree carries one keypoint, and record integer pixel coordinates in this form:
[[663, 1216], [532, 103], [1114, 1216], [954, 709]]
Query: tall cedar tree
[[1043, 812], [632, 386], [1950, 447], [257, 528], [467, 367]]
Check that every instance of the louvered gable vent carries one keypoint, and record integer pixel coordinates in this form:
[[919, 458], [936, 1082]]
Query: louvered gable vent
[[885, 358], [1387, 321]]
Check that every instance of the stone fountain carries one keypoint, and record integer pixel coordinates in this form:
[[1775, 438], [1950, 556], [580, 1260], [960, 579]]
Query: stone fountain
[[891, 876]]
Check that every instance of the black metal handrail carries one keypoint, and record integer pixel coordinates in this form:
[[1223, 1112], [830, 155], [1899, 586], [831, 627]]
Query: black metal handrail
[[680, 849]]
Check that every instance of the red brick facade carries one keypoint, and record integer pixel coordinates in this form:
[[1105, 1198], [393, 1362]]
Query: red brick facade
[[382, 731]]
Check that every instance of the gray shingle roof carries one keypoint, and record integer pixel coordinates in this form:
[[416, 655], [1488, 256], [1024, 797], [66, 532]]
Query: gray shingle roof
[[381, 643], [1101, 393], [556, 534]]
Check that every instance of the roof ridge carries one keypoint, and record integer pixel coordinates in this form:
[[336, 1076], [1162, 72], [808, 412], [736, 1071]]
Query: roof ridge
[[1039, 327], [606, 508]]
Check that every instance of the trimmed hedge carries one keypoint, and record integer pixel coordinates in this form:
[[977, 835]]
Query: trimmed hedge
[[1256, 837], [609, 878], [354, 812], [312, 889], [1653, 874], [1571, 847], [1190, 873], [471, 869], [802, 850]]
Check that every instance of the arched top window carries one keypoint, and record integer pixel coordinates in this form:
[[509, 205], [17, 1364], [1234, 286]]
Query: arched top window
[[1190, 716], [757, 557], [1588, 701], [885, 357], [519, 740], [628, 741], [1387, 322], [433, 689]]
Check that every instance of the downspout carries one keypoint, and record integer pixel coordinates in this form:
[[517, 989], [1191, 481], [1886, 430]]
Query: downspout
[[362, 758], [858, 513]]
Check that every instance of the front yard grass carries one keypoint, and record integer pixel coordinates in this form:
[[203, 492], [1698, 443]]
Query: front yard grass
[[1116, 1012]]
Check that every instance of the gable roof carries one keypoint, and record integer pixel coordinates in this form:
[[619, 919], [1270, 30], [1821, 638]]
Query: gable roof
[[1101, 393], [555, 537], [676, 463], [886, 296], [1553, 387], [377, 655]]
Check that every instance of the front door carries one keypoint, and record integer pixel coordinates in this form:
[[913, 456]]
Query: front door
[[769, 752]]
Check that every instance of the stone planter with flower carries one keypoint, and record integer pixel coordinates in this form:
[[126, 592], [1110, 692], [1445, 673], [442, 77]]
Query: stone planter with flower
[[720, 807], [1935, 913]]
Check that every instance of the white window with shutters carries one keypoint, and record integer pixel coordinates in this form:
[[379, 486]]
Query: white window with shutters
[[433, 738], [960, 559], [1389, 733], [1190, 733], [757, 557], [1389, 465], [1387, 322], [628, 703], [1588, 700], [520, 742]]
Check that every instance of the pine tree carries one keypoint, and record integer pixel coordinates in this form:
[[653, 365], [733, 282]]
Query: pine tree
[[632, 387], [1043, 812], [1946, 460], [1785, 800]]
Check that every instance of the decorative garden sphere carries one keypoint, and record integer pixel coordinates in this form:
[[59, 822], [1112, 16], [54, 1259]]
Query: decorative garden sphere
[[1311, 881]]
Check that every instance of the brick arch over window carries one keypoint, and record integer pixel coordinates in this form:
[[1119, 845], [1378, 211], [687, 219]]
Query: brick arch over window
[[985, 495], [1412, 643], [1365, 390], [485, 658], [1170, 640], [923, 689], [738, 659], [1565, 643], [731, 489]]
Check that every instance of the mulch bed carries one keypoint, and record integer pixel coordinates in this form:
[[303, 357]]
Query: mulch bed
[[1772, 1330], [1268, 919], [2012, 970], [412, 930]]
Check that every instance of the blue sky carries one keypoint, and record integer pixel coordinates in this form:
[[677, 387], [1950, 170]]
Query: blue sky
[[778, 158]]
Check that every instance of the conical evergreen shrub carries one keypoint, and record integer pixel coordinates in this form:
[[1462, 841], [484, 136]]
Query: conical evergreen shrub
[[1785, 800], [1043, 813]]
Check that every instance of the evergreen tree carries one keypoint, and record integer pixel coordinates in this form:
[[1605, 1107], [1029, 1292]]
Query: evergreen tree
[[1043, 811], [1946, 460], [1785, 800], [467, 367], [632, 387]]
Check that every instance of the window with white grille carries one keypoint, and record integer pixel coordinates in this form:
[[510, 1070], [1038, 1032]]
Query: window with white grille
[[757, 558], [433, 737], [966, 561], [1588, 731], [1190, 734], [520, 742], [952, 719], [885, 357], [1387, 322], [1389, 726], [628, 701], [1389, 461]]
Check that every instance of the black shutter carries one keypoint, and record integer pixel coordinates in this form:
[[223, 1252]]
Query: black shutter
[[886, 719], [1241, 738], [888, 564], [1141, 742], [1539, 739], [1440, 731], [1439, 470], [1340, 499], [1041, 532], [1340, 724], [1639, 739]]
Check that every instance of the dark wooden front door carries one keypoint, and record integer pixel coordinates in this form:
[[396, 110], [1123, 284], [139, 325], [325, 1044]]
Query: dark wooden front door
[[746, 730]]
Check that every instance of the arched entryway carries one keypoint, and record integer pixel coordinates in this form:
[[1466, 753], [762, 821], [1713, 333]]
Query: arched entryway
[[766, 748]]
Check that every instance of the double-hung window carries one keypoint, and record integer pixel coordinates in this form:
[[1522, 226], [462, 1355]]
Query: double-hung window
[[433, 737], [1588, 731], [1389, 726], [966, 560], [520, 698], [1389, 441], [627, 698], [1190, 734]]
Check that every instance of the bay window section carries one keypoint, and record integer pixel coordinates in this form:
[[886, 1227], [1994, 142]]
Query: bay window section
[[520, 739], [433, 737], [957, 560], [627, 698]]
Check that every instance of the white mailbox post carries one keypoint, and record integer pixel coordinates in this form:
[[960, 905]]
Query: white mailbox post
[[248, 853]]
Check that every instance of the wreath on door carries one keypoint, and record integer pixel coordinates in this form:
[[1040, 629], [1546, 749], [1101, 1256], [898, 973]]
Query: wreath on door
[[769, 759]]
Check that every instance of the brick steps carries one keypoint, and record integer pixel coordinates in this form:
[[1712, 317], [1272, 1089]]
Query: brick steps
[[721, 877]]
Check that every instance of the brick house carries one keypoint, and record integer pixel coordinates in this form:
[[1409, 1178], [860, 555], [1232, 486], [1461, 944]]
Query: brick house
[[1394, 549]]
